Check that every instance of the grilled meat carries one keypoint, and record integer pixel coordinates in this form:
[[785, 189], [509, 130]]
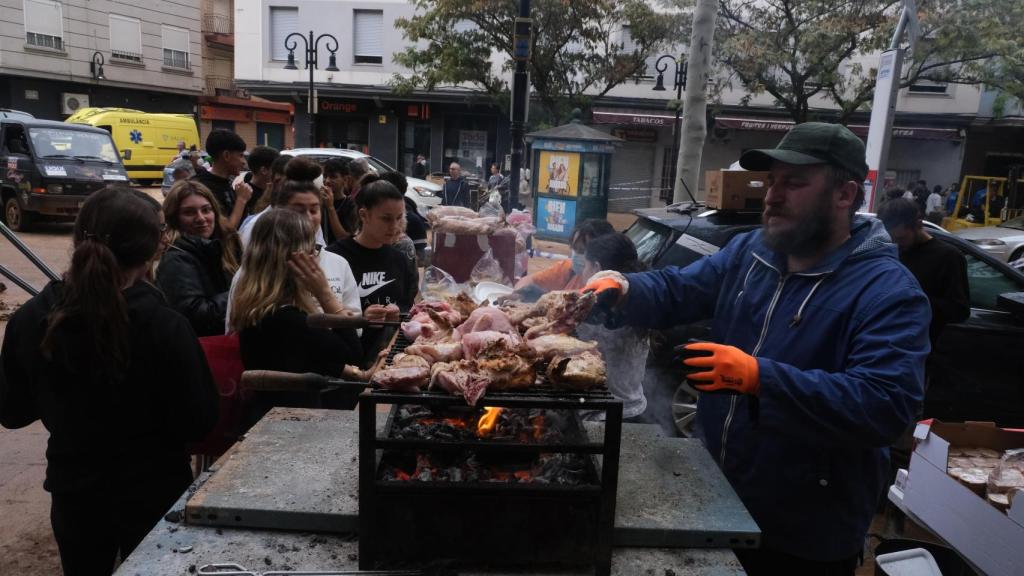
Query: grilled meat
[[551, 345], [462, 303], [474, 342], [406, 374], [459, 378], [577, 372], [562, 309]]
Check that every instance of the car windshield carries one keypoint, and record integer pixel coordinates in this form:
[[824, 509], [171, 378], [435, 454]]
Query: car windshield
[[64, 143], [649, 239], [377, 165], [1015, 223]]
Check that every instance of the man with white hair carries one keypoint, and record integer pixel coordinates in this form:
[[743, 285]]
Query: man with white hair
[[456, 191]]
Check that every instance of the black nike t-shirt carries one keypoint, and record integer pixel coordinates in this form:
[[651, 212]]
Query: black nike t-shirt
[[384, 275]]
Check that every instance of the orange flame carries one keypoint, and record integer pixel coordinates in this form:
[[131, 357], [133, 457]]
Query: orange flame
[[488, 421]]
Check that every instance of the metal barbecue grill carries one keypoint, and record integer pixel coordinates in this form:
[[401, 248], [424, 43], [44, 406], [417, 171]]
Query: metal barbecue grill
[[489, 523]]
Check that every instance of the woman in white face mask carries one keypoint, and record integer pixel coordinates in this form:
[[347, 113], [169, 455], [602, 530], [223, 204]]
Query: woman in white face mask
[[565, 274]]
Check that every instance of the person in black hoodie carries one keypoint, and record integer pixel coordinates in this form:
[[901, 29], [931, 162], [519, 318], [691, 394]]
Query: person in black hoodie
[[195, 272], [119, 381]]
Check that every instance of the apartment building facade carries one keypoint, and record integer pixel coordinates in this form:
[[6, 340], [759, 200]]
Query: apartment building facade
[[222, 104], [355, 105], [58, 56]]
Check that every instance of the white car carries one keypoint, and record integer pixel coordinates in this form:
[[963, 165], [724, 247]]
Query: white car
[[425, 194], [1003, 241]]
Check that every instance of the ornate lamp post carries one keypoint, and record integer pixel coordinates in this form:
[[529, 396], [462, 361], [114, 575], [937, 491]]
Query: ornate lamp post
[[311, 46], [679, 83]]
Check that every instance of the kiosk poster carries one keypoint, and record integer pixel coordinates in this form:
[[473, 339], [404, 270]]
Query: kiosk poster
[[556, 217], [559, 173]]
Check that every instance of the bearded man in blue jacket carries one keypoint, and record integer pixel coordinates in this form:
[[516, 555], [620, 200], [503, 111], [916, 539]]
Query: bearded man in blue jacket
[[816, 363]]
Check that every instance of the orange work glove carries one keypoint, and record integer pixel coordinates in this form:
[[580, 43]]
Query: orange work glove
[[730, 368], [605, 281]]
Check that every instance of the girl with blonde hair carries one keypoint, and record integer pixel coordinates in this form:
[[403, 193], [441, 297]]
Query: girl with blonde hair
[[280, 283]]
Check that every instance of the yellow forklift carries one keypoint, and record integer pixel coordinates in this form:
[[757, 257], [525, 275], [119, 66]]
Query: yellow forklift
[[988, 212]]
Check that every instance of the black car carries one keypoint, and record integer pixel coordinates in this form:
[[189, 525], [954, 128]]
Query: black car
[[975, 371], [49, 168]]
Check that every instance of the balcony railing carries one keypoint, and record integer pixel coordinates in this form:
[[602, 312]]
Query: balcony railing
[[214, 23], [219, 85]]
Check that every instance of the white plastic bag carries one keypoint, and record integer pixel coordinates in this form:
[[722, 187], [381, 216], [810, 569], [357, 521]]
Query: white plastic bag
[[438, 284], [488, 269]]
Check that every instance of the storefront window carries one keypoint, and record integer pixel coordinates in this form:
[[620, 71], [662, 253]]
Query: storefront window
[[470, 140], [350, 133], [415, 139]]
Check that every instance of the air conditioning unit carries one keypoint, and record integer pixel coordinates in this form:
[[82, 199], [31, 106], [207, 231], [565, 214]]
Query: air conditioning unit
[[71, 103]]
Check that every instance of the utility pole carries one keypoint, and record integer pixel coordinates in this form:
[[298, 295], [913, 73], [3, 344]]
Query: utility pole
[[695, 104], [522, 43], [883, 107]]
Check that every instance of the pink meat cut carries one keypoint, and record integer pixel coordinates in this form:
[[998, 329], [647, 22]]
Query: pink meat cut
[[486, 318], [437, 352]]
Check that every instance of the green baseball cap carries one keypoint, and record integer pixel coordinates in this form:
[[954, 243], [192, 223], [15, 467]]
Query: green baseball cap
[[813, 143]]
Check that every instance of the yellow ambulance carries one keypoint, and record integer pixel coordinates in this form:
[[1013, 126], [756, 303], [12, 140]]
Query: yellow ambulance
[[147, 142]]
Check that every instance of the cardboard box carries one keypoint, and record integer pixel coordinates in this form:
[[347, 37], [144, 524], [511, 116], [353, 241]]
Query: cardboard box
[[735, 189], [991, 540]]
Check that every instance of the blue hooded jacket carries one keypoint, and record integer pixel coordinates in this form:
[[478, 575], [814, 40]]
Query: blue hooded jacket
[[840, 350]]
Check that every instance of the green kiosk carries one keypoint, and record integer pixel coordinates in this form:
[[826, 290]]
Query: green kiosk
[[570, 177]]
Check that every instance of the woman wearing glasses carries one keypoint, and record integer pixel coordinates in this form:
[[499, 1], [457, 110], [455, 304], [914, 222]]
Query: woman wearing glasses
[[195, 272]]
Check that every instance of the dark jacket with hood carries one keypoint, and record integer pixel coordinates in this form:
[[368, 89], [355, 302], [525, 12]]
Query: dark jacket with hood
[[123, 435], [195, 284], [840, 350]]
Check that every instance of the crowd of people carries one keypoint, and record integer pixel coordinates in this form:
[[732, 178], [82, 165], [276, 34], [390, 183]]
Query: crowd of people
[[108, 357], [816, 364]]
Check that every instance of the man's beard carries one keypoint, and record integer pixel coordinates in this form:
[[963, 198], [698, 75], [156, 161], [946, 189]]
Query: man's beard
[[810, 233]]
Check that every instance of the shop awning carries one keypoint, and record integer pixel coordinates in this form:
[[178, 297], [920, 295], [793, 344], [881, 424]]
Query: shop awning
[[634, 117], [771, 125]]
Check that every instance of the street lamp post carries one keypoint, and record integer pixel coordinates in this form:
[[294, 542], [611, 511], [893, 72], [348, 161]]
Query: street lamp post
[[679, 80], [96, 66], [311, 47]]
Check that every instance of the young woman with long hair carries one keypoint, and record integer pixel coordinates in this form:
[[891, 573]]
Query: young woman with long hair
[[195, 271], [116, 376], [280, 283]]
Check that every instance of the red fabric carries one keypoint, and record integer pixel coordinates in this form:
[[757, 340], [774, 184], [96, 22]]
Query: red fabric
[[460, 258], [224, 356]]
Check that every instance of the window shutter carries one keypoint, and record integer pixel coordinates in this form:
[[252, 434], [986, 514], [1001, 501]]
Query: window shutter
[[368, 28], [125, 35], [175, 39], [44, 17], [283, 21]]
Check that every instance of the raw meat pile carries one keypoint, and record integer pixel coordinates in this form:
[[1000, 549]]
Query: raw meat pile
[[467, 350]]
